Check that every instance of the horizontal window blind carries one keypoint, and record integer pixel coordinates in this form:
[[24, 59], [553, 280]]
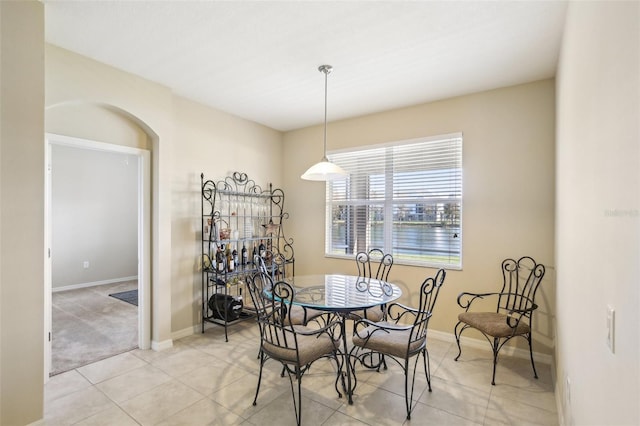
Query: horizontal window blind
[[404, 198]]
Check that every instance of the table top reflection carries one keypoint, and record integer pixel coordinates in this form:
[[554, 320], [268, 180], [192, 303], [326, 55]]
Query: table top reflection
[[337, 292]]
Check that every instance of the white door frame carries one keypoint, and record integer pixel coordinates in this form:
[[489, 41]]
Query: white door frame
[[48, 323], [144, 236]]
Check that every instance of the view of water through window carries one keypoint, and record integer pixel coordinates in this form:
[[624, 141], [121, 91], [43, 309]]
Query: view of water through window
[[404, 199]]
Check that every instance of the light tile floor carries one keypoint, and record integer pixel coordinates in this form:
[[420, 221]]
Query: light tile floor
[[202, 380]]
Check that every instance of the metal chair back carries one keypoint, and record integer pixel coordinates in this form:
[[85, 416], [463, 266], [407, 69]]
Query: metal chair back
[[374, 264], [521, 280]]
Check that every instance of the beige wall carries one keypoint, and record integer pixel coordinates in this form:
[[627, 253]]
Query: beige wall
[[21, 212], [87, 120], [216, 144], [597, 211], [86, 88], [508, 201]]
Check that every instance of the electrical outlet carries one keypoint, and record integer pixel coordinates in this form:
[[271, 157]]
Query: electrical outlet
[[85, 264], [611, 328]]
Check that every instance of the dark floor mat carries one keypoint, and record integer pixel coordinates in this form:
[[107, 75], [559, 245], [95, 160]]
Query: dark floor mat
[[130, 296]]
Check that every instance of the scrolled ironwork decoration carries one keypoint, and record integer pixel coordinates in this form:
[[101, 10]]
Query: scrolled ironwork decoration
[[362, 285], [365, 284], [286, 249], [277, 199], [386, 288], [239, 183], [208, 188], [240, 177]]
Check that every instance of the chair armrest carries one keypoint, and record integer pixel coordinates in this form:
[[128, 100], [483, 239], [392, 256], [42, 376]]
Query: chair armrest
[[363, 323], [397, 312], [329, 328], [360, 325], [466, 299], [516, 314], [402, 307], [523, 311]]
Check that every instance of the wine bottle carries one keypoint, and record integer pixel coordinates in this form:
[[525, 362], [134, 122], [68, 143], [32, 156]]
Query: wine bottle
[[245, 255], [212, 259], [234, 255], [230, 264], [254, 254], [262, 249], [220, 259]]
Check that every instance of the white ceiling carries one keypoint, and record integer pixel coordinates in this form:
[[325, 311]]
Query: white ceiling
[[259, 60]]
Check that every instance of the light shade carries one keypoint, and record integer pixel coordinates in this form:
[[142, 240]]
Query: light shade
[[324, 170]]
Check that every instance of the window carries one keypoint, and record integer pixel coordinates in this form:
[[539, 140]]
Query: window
[[404, 198]]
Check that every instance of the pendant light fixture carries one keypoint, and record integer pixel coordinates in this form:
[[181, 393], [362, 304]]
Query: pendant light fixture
[[325, 169]]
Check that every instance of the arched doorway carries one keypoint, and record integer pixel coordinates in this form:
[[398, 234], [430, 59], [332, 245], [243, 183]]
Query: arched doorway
[[107, 115]]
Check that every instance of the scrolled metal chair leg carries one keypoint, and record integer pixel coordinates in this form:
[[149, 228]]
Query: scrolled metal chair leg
[[535, 373], [255, 399], [408, 394], [407, 398], [457, 332], [338, 375], [427, 367], [297, 401], [495, 347]]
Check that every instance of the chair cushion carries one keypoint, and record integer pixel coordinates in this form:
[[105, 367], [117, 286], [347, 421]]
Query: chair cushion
[[374, 314], [310, 348], [390, 342], [493, 324], [298, 315]]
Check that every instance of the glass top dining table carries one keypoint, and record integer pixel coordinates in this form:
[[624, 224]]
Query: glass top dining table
[[341, 293]]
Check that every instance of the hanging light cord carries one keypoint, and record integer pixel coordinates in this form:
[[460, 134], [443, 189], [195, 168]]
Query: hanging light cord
[[326, 69]]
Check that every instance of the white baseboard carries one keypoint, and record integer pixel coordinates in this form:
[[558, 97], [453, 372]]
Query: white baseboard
[[483, 344], [93, 284], [186, 332], [161, 346]]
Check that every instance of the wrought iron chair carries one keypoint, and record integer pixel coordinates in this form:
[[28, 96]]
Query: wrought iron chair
[[372, 264], [296, 347], [274, 265], [401, 337], [514, 310]]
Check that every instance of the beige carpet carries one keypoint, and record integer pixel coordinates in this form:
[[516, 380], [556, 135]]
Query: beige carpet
[[88, 325]]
